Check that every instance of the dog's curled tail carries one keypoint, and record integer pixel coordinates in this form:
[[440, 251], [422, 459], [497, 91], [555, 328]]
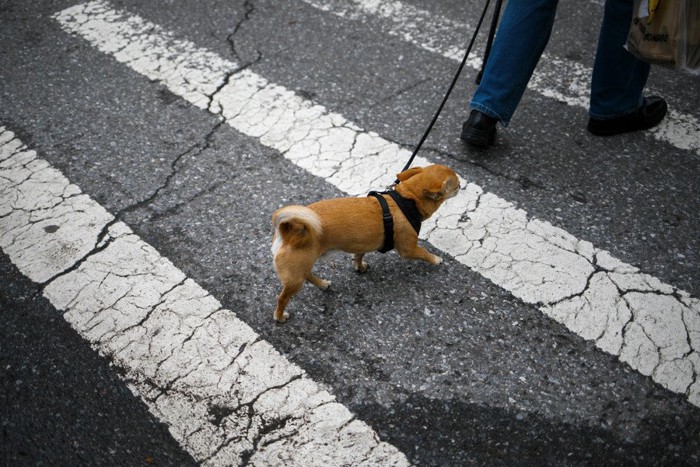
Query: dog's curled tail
[[295, 226]]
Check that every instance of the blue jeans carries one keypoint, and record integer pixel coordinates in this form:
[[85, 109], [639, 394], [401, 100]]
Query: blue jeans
[[618, 77]]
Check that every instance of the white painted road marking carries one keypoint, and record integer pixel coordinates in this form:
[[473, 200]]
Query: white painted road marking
[[652, 326], [561, 79], [227, 396]]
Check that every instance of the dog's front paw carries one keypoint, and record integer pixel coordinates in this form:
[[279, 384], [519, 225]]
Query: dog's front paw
[[436, 260], [324, 284], [358, 263]]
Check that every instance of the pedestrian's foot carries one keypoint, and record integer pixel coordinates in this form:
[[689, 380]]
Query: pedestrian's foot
[[479, 130], [651, 112]]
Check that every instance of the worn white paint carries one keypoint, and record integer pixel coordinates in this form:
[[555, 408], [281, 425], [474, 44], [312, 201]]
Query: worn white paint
[[45, 203]]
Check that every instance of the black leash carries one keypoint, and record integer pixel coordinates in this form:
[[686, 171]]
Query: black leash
[[449, 90], [410, 211]]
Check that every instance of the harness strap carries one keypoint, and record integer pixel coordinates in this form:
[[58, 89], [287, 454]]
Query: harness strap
[[408, 208], [388, 222]]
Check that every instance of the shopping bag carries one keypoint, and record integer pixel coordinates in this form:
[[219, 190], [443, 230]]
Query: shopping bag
[[667, 33]]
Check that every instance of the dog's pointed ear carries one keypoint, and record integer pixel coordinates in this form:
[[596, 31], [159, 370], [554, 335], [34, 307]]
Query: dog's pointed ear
[[434, 195], [406, 174], [438, 193]]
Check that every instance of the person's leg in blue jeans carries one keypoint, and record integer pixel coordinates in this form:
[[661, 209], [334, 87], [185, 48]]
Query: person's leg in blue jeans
[[618, 79], [618, 76], [617, 105], [522, 35]]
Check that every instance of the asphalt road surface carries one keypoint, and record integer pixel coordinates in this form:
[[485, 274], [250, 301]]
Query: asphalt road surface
[[143, 148]]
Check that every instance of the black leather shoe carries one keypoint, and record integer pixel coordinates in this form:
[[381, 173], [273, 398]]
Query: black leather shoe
[[479, 130], [651, 112]]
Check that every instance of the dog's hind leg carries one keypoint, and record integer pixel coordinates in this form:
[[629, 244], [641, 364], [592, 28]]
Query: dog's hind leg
[[287, 293]]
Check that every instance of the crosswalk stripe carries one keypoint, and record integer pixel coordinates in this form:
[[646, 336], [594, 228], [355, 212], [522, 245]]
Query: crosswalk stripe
[[652, 326], [561, 79], [227, 395]]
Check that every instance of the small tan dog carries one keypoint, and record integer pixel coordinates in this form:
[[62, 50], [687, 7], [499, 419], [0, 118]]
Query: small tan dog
[[355, 225]]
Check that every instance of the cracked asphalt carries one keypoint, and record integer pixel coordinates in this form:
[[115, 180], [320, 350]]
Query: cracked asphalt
[[176, 142]]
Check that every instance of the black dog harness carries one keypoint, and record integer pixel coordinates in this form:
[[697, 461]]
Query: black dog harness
[[408, 208]]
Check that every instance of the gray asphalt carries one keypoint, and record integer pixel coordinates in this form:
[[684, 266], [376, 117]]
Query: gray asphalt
[[443, 364]]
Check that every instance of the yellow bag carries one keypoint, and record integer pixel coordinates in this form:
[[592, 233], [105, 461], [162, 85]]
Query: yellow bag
[[667, 33]]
